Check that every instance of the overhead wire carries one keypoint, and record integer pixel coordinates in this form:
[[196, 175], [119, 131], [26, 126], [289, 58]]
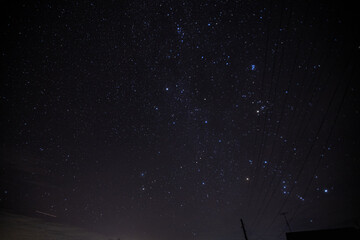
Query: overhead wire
[[319, 161], [286, 167], [263, 136], [307, 157], [279, 123], [262, 82]]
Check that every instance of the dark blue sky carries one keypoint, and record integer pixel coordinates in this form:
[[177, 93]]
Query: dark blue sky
[[174, 119]]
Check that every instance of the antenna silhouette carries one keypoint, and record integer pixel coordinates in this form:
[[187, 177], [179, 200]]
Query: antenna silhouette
[[287, 222]]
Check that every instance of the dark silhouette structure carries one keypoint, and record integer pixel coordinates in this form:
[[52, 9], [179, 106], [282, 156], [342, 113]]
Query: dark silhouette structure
[[340, 233], [243, 227]]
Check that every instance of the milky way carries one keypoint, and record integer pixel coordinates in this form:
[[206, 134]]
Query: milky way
[[176, 119]]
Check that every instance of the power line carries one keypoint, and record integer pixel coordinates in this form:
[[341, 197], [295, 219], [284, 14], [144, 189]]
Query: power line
[[264, 135], [318, 164], [310, 150], [297, 135]]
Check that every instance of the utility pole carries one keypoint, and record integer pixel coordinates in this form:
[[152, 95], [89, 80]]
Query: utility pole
[[243, 227], [287, 222]]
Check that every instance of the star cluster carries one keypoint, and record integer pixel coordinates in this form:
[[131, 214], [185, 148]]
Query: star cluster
[[174, 119]]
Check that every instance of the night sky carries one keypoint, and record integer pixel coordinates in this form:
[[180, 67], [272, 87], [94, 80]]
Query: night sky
[[175, 119]]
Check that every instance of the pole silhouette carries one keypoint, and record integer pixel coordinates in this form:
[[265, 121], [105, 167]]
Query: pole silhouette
[[243, 227]]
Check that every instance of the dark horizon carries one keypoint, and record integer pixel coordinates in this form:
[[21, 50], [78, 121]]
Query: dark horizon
[[176, 119]]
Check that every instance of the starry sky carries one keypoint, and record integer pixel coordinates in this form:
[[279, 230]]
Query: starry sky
[[175, 119]]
